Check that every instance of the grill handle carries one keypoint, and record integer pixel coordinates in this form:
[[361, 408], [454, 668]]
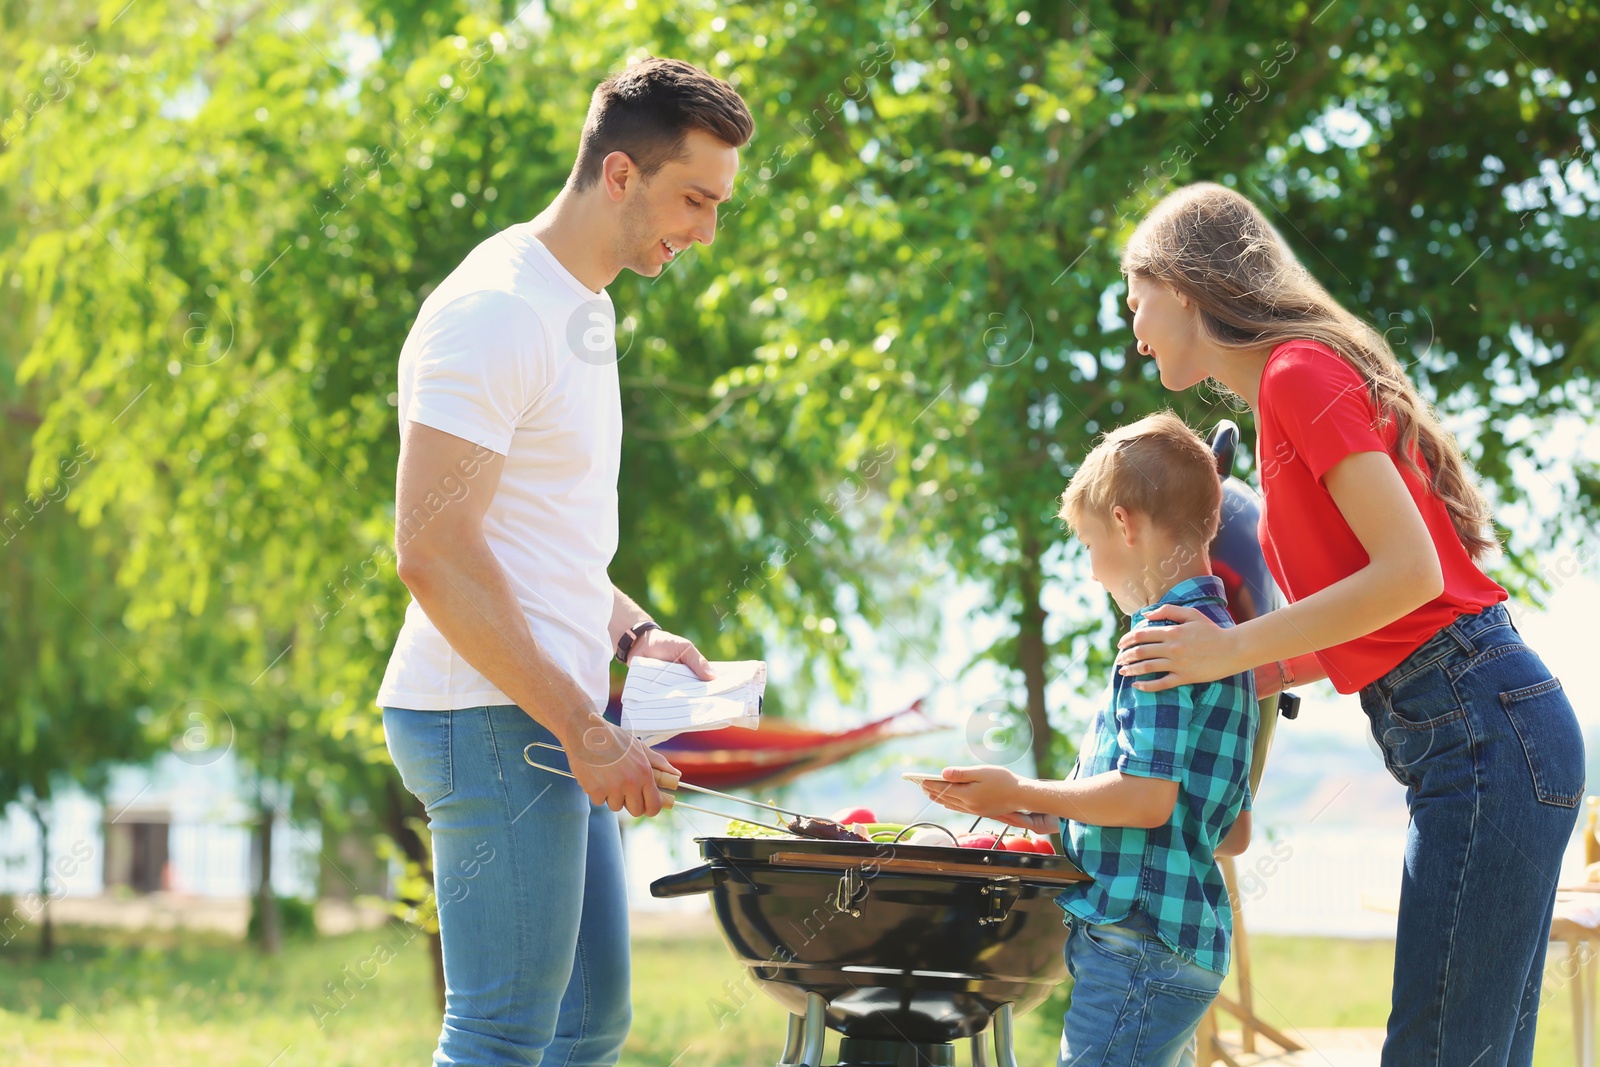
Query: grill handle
[[901, 865], [701, 879]]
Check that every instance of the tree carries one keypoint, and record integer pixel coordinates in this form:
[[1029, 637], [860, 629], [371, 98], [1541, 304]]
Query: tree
[[72, 671], [248, 584], [958, 181], [881, 374]]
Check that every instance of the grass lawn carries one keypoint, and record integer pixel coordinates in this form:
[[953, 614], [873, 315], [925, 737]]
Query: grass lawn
[[189, 1000]]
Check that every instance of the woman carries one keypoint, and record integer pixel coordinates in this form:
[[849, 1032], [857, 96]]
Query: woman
[[1373, 528]]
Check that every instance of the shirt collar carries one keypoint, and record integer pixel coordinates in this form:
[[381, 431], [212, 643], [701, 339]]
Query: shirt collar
[[1190, 591]]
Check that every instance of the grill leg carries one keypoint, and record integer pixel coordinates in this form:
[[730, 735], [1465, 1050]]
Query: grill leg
[[1004, 1050], [982, 1049], [807, 1034], [794, 1041]]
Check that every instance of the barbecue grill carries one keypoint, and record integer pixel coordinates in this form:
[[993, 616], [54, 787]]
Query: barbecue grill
[[905, 949], [902, 949]]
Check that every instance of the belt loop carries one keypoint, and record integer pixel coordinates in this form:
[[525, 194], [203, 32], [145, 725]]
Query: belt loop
[[1455, 628]]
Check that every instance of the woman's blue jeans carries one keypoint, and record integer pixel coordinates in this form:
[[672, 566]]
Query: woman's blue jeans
[[533, 910], [1483, 738]]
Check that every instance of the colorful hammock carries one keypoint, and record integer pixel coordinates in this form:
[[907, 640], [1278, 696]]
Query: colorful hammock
[[778, 751]]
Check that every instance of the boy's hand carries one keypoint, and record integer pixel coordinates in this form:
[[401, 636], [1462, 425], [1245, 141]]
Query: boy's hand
[[987, 791], [1038, 822]]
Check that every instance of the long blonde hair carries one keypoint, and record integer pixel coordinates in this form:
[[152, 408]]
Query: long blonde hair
[[1216, 248]]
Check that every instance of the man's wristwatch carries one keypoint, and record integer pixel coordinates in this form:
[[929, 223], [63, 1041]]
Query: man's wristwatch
[[629, 636]]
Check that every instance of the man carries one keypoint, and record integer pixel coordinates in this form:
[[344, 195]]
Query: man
[[506, 516]]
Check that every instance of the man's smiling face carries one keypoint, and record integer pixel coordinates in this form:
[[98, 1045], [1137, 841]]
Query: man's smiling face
[[664, 215]]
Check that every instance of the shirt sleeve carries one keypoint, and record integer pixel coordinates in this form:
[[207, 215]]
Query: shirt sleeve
[[1153, 732], [480, 362], [1322, 406]]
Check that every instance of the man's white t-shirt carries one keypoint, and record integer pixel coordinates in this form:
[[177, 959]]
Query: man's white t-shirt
[[513, 353]]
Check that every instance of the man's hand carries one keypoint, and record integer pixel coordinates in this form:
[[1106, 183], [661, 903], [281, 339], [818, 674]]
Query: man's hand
[[989, 791], [658, 644], [617, 769]]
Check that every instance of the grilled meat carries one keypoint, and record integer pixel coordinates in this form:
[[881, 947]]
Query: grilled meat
[[823, 829]]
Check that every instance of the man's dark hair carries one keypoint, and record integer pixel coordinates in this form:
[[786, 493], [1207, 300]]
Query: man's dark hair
[[648, 110]]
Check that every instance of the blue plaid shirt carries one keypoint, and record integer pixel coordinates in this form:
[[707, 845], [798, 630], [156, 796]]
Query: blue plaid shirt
[[1199, 736]]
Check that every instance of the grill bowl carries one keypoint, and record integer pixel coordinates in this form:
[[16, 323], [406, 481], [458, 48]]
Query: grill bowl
[[909, 943]]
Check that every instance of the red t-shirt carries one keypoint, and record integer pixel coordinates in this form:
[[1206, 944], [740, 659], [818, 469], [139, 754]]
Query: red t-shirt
[[1315, 410]]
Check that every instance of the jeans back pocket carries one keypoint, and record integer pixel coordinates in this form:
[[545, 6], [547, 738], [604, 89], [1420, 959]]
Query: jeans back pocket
[[1543, 719], [419, 744], [1115, 941]]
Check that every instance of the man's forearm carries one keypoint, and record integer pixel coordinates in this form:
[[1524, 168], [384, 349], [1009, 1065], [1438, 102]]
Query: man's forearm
[[1109, 799], [466, 595], [625, 614]]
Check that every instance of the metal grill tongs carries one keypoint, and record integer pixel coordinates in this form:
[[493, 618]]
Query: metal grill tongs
[[669, 783]]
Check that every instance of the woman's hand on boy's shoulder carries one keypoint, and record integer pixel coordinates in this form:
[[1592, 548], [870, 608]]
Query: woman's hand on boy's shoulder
[[1191, 648]]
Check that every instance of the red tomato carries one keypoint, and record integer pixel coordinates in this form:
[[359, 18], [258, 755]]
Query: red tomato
[[848, 816], [1020, 843], [1044, 846], [976, 840]]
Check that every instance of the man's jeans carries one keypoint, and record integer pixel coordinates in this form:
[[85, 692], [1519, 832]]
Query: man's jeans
[[1135, 1003], [533, 911], [1483, 738]]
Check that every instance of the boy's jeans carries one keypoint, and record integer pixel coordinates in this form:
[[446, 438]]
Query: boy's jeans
[[1485, 741], [533, 911], [1135, 1003]]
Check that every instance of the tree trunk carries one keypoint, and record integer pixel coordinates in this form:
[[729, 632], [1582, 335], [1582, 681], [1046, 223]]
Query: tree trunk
[[47, 929], [1032, 653], [401, 814], [269, 936]]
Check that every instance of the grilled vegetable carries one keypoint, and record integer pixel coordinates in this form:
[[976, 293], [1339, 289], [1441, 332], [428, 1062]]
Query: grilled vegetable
[[1029, 843], [849, 816]]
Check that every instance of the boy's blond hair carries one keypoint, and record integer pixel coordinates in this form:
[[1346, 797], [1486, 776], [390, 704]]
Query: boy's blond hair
[[1157, 467]]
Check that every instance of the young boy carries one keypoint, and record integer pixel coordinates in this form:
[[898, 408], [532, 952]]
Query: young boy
[[1161, 786]]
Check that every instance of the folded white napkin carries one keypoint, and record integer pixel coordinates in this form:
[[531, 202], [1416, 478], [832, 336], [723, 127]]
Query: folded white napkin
[[661, 699]]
